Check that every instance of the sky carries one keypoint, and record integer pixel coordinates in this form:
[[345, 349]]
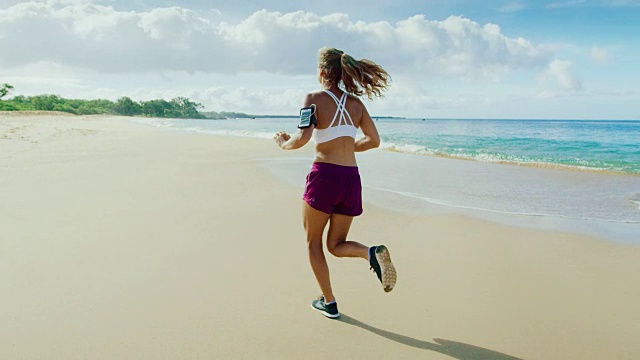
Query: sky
[[525, 59]]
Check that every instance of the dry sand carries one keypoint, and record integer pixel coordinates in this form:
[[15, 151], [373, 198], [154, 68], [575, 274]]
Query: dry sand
[[121, 241]]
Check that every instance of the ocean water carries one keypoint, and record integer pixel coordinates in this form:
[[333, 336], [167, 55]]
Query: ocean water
[[579, 176], [580, 144]]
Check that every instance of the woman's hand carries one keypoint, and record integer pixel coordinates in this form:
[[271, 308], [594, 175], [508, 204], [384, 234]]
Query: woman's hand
[[281, 137]]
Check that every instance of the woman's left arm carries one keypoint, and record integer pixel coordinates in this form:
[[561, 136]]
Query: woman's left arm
[[300, 138]]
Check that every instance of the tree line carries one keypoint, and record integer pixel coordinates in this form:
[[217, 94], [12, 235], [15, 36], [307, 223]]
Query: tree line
[[179, 107]]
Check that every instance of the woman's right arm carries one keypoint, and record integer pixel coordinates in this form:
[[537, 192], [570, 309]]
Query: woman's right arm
[[371, 138]]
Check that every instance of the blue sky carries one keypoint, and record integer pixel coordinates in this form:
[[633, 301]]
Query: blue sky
[[583, 21], [571, 59]]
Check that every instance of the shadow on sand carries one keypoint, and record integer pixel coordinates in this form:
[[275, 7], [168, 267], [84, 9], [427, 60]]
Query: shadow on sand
[[451, 348]]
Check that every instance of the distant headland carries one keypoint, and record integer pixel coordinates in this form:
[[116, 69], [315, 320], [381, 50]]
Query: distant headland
[[177, 108]]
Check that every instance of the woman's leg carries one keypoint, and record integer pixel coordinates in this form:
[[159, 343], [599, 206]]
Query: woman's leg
[[339, 246], [337, 243], [314, 224]]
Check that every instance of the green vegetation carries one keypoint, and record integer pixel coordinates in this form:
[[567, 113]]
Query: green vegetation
[[179, 107], [4, 90]]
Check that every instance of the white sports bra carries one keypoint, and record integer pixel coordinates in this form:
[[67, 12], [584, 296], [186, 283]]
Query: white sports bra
[[343, 128]]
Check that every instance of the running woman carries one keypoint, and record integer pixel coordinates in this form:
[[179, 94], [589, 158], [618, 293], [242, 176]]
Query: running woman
[[333, 193]]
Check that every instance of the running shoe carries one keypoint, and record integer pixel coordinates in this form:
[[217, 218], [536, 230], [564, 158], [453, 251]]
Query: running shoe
[[328, 310], [380, 261]]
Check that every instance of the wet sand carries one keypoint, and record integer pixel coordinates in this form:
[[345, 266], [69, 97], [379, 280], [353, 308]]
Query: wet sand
[[126, 241]]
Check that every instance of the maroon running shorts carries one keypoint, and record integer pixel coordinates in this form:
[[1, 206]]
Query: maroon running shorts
[[334, 189]]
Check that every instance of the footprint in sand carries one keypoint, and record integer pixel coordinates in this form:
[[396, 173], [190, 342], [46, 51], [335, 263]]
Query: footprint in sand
[[75, 131]]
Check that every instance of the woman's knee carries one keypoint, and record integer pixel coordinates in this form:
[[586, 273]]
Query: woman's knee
[[332, 246], [314, 245]]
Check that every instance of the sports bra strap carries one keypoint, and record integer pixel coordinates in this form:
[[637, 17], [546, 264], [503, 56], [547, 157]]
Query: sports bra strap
[[342, 109]]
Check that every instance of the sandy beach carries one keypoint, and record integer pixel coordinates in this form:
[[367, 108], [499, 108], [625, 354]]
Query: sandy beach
[[125, 241]]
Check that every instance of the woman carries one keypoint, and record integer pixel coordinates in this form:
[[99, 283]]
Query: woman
[[333, 190]]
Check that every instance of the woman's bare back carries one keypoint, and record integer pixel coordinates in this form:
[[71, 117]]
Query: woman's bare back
[[341, 150]]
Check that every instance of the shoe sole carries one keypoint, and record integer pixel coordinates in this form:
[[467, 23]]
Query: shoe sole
[[387, 270], [331, 316]]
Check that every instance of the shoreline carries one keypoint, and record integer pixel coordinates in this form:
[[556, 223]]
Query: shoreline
[[538, 165], [603, 228], [392, 147], [267, 116], [126, 241], [426, 192]]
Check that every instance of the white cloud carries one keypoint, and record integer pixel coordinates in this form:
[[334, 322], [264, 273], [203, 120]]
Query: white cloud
[[513, 6], [224, 98], [80, 34], [547, 94], [599, 55], [563, 74], [264, 62], [564, 4]]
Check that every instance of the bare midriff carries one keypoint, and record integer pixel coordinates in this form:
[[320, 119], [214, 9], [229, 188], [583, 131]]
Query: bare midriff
[[340, 151]]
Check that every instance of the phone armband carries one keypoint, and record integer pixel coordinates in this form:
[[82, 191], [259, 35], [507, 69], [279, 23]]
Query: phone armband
[[307, 117]]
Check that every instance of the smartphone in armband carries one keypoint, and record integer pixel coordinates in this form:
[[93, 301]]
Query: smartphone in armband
[[307, 117]]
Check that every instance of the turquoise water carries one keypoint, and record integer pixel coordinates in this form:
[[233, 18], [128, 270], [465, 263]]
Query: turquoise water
[[588, 145], [601, 198], [597, 145]]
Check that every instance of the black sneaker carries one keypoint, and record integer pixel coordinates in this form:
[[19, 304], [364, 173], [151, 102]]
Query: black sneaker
[[380, 261], [328, 310]]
